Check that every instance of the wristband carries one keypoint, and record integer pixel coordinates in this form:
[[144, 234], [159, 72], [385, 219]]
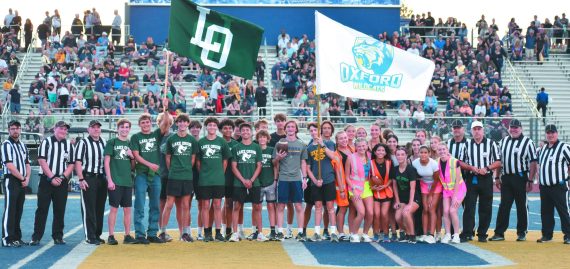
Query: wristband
[[81, 179]]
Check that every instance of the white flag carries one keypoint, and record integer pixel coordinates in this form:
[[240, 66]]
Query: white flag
[[356, 65]]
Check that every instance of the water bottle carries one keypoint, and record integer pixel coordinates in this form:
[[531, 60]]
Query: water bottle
[[475, 180]]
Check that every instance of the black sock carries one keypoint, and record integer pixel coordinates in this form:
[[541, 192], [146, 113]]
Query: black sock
[[228, 230], [258, 229], [326, 230], [208, 231], [218, 231], [304, 230], [273, 229]]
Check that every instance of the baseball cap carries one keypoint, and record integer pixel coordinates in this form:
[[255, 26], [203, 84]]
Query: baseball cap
[[62, 124], [551, 128], [94, 122], [515, 123], [14, 123], [476, 124], [457, 123], [104, 33]]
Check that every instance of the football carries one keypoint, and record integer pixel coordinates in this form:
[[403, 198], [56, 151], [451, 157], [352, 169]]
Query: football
[[375, 181], [282, 145]]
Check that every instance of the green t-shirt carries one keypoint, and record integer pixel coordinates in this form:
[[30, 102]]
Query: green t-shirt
[[212, 153], [266, 177], [181, 150], [120, 162], [229, 174], [148, 147], [246, 157]]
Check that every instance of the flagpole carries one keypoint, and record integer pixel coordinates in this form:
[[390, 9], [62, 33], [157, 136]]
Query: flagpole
[[318, 130], [166, 75]]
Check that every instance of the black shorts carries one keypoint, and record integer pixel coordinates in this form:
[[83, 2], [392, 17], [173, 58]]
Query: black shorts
[[384, 200], [307, 195], [326, 193], [121, 197], [229, 188], [179, 188], [163, 182], [242, 195], [210, 192]]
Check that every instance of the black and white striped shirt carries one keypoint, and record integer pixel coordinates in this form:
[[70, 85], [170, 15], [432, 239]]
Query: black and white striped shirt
[[15, 152], [517, 154], [456, 149], [554, 163], [90, 153], [482, 154], [58, 154]]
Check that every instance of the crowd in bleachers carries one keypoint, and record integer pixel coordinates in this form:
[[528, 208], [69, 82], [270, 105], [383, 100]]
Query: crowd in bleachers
[[84, 71]]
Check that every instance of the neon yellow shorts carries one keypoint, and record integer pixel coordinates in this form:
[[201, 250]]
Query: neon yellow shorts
[[367, 192]]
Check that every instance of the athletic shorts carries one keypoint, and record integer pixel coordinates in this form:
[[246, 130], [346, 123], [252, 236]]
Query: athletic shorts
[[229, 188], [426, 187], [307, 197], [325, 193], [121, 197], [367, 192], [461, 192], [163, 182], [269, 193], [179, 188], [244, 195], [289, 192], [384, 200], [210, 192]]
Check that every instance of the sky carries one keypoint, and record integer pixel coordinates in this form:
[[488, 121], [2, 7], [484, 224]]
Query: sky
[[466, 11]]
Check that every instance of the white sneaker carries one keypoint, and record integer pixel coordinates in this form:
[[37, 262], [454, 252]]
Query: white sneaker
[[429, 239], [354, 238], [234, 237], [420, 238], [456, 239], [446, 239], [438, 237], [241, 235], [262, 238], [289, 234], [365, 238]]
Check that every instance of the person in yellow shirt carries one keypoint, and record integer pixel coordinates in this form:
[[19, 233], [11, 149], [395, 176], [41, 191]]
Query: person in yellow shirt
[[464, 95], [234, 90], [60, 56]]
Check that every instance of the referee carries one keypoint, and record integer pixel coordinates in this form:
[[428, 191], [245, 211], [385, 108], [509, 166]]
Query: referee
[[481, 157], [457, 143], [553, 160], [56, 162], [518, 158], [17, 169], [89, 169]]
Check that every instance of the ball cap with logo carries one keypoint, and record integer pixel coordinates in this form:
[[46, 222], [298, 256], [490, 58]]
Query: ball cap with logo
[[457, 123], [515, 123], [62, 124], [14, 123], [551, 128], [476, 124], [94, 122]]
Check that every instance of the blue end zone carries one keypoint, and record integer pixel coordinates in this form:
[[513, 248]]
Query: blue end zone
[[346, 254], [433, 255]]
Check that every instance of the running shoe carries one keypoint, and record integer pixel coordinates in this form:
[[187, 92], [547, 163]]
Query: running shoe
[[429, 239], [241, 235], [365, 238], [326, 236], [112, 241], [315, 238], [252, 236], [200, 237], [354, 238], [456, 239], [187, 238], [12, 244], [334, 238], [301, 237], [412, 239], [446, 239], [288, 234], [261, 238], [234, 237], [343, 237], [208, 238], [129, 240], [394, 237], [155, 239], [497, 238], [386, 238], [219, 238], [142, 240], [272, 236]]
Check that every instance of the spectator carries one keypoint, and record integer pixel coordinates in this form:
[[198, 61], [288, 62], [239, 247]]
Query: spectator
[[334, 110], [210, 106], [216, 93], [79, 105], [276, 82], [419, 118], [103, 40], [43, 33], [28, 32], [495, 108], [480, 109], [542, 102], [56, 22], [96, 106], [180, 100], [404, 113], [233, 90], [505, 106], [116, 28], [153, 87], [13, 63], [349, 107], [15, 98], [33, 124], [246, 109], [176, 71], [81, 74], [109, 105], [249, 93], [76, 26], [125, 92], [260, 69], [465, 110], [261, 98], [430, 102], [233, 108], [3, 67], [530, 45], [63, 95], [363, 107], [199, 100], [382, 119]]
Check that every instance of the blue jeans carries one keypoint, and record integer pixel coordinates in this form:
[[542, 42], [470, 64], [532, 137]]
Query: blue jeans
[[142, 186]]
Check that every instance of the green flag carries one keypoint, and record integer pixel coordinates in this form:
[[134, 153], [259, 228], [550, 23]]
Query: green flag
[[214, 39]]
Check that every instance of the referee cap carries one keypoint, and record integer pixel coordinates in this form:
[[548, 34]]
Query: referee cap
[[551, 128], [14, 123], [476, 124], [457, 123], [515, 123], [62, 124]]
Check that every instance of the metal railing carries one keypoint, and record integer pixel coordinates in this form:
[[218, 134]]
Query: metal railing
[[525, 97]]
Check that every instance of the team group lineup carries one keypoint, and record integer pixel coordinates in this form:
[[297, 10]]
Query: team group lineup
[[378, 184]]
